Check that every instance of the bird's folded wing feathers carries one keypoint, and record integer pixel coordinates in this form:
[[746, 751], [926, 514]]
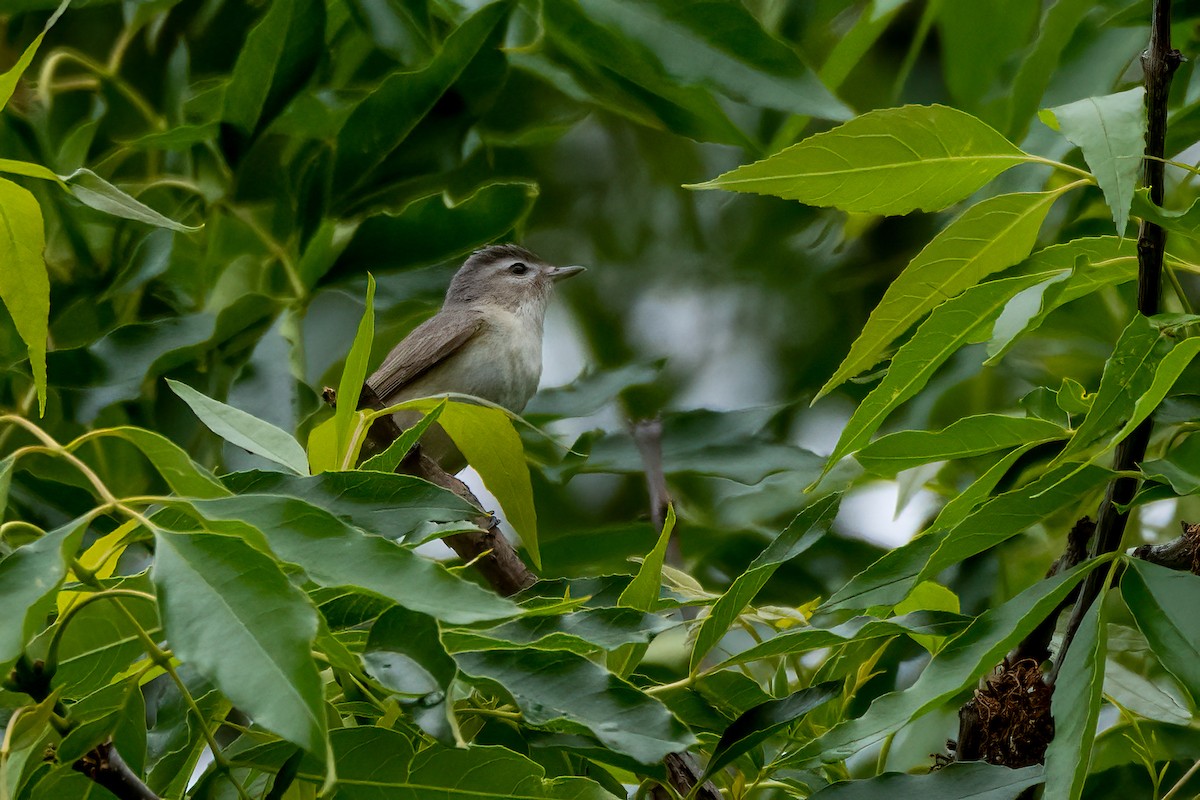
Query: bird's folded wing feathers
[[429, 344]]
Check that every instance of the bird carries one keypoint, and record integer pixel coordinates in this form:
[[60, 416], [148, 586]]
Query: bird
[[486, 341]]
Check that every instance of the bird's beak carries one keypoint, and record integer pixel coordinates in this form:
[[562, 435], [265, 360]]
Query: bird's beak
[[561, 273]]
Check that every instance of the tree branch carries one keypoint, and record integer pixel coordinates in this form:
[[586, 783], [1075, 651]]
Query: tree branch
[[105, 766], [1159, 63]]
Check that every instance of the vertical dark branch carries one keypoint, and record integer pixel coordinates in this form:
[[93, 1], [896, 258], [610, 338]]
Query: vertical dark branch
[[1159, 63]]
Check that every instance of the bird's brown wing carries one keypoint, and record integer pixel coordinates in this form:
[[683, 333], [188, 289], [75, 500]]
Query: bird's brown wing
[[429, 344]]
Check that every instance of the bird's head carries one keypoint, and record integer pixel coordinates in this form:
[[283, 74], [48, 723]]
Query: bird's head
[[508, 276]]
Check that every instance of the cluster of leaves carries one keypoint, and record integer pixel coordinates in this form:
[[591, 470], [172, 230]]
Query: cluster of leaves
[[276, 614]]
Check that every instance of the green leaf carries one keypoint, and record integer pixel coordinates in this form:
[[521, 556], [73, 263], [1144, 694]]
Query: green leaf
[[1111, 132], [1016, 511], [280, 53], [241, 429], [643, 591], [809, 526], [590, 392], [1076, 707], [1128, 374], [891, 161], [642, 594], [389, 459], [24, 284], [761, 722], [582, 631], [1162, 602], [393, 506], [486, 437], [970, 436], [718, 46], [347, 422], [967, 656], [115, 712], [376, 763], [966, 319], [858, 629], [29, 578], [566, 692], [1059, 23], [322, 451], [439, 227], [185, 477], [928, 596], [8, 80], [385, 117], [94, 191], [101, 642], [30, 170], [963, 780], [232, 615], [989, 236], [336, 554], [1180, 468], [404, 652]]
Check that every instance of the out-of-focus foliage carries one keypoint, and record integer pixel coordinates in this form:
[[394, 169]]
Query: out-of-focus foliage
[[221, 193]]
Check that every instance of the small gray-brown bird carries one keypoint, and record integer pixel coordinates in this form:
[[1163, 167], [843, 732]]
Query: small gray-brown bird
[[486, 341]]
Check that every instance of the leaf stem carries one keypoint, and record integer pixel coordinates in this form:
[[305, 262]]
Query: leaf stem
[[61, 626]]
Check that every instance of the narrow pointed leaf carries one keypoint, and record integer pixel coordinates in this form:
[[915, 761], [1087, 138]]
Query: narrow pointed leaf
[[1163, 604], [970, 436], [8, 79], [759, 723], [642, 594], [94, 191], [389, 459], [24, 284], [804, 531], [354, 374], [244, 430], [1076, 707], [963, 780], [29, 578], [185, 477], [884, 162], [990, 236]]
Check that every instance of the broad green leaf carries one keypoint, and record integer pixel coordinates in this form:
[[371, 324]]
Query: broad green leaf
[[963, 780], [389, 459], [94, 191], [24, 284], [404, 653], [232, 615], [8, 80], [889, 579], [891, 161], [393, 506], [1016, 511], [246, 431], [804, 531], [1128, 374], [966, 657], [1076, 707], [439, 227], [1162, 602], [858, 629], [642, 594], [385, 117], [347, 421], [115, 712], [1152, 699], [1111, 132], [279, 55], [970, 436], [988, 237], [761, 722], [101, 642], [566, 692], [29, 577], [1180, 468], [336, 554], [322, 451], [375, 763], [486, 437], [718, 46], [582, 631], [966, 319], [185, 477]]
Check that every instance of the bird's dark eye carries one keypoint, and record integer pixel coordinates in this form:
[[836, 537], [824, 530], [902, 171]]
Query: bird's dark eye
[[518, 269]]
